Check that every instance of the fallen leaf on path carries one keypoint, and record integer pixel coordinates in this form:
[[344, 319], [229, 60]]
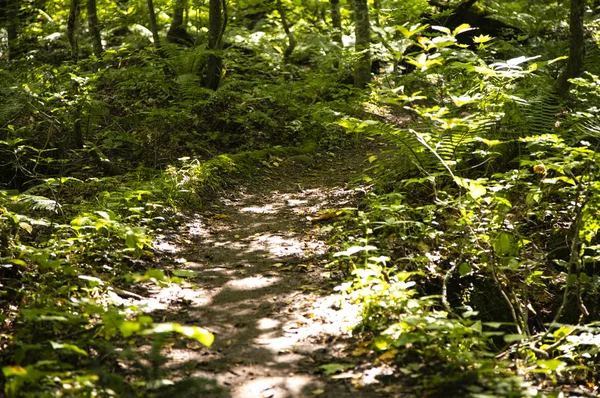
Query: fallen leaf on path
[[220, 215], [361, 351], [325, 215], [343, 375], [387, 357], [318, 392]]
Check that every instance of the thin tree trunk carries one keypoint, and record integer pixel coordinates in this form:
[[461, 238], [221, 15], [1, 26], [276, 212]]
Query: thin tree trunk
[[72, 25], [153, 24], [217, 21], [94, 27], [336, 22], [290, 35], [177, 32], [576, 50], [12, 27], [362, 29]]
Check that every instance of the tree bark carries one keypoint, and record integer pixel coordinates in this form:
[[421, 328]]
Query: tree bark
[[287, 28], [72, 25], [576, 49], [177, 32], [362, 31], [153, 24], [12, 27], [94, 27], [336, 22], [217, 21]]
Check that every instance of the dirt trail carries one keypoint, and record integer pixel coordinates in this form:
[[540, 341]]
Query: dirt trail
[[261, 288]]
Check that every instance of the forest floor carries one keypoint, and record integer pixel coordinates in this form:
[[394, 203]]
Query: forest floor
[[260, 284]]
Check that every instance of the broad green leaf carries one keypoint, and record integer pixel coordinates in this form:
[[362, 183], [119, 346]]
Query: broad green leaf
[[103, 214], [201, 335], [9, 371], [503, 244], [128, 328], [462, 29], [476, 190], [333, 368], [131, 239], [154, 273], [185, 273], [68, 347], [562, 332], [511, 338], [442, 29], [17, 261], [80, 221], [551, 364], [26, 227], [464, 269]]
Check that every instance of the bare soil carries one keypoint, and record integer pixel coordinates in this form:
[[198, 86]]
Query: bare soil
[[262, 285]]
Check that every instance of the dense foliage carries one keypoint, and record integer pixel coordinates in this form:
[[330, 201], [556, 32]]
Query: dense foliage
[[473, 257]]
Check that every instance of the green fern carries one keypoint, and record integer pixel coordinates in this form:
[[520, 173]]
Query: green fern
[[186, 62], [540, 114], [26, 202]]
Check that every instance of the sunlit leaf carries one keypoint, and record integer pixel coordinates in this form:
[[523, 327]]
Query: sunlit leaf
[[465, 27], [9, 371], [68, 347], [185, 273], [481, 39], [353, 250]]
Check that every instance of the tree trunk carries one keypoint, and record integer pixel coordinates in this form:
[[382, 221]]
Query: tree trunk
[[72, 24], [217, 21], [94, 27], [12, 28], [336, 22], [362, 30], [177, 32], [153, 24], [576, 49], [290, 35]]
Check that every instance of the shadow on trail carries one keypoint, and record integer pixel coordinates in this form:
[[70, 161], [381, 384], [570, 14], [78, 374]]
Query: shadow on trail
[[259, 265]]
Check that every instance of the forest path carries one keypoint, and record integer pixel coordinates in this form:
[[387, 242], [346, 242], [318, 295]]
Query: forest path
[[259, 284]]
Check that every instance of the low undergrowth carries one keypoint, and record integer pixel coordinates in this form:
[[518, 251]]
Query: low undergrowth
[[474, 259], [76, 262]]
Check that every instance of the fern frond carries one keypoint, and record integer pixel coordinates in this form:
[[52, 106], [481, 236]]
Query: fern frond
[[187, 62], [34, 202], [539, 114]]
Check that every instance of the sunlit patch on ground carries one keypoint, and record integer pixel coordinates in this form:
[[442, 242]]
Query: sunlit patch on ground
[[252, 287], [254, 282]]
